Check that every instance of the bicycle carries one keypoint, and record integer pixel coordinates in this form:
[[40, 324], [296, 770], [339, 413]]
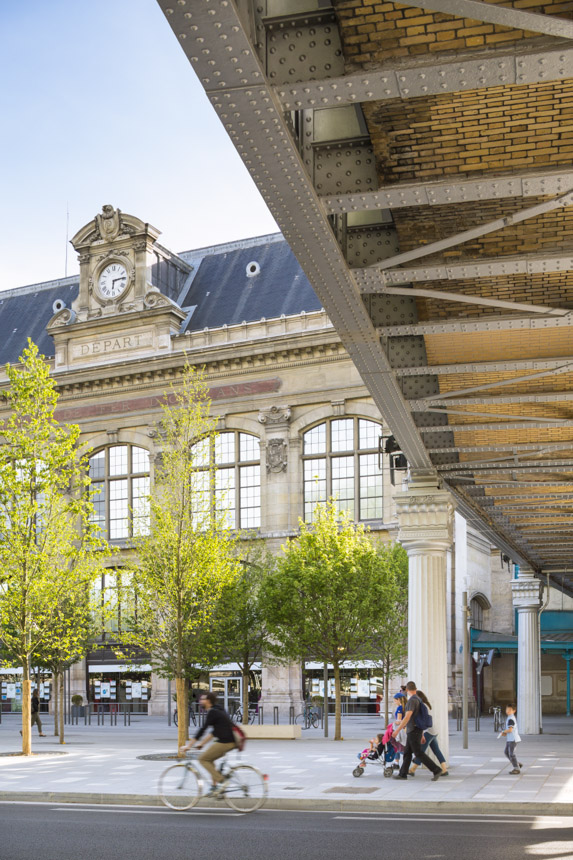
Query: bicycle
[[244, 789], [192, 718], [309, 716], [238, 715], [497, 718]]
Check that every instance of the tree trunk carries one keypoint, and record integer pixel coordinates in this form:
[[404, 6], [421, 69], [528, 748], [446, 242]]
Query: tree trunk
[[245, 695], [387, 692], [337, 704], [26, 714], [56, 702], [182, 722], [62, 706]]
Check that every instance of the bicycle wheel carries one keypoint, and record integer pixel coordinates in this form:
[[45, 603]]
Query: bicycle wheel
[[314, 721], [180, 786], [245, 789], [296, 719]]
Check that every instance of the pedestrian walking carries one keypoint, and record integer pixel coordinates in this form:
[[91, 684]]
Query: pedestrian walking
[[35, 713], [512, 738], [416, 720], [429, 740]]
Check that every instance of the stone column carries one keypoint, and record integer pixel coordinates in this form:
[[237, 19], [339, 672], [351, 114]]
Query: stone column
[[526, 591], [281, 685], [425, 515]]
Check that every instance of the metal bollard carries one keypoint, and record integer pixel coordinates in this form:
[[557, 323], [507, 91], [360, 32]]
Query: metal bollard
[[275, 715], [291, 715], [261, 715]]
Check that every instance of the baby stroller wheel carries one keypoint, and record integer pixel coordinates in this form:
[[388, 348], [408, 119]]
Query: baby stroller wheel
[[358, 771], [388, 771]]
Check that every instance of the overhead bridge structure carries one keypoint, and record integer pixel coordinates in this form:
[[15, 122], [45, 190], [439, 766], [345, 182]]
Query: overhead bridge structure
[[419, 160]]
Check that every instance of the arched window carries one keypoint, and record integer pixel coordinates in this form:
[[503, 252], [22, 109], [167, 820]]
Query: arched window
[[478, 606], [236, 459], [340, 459], [121, 474]]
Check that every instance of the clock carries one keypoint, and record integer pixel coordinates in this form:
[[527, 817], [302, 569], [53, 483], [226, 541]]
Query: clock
[[112, 281]]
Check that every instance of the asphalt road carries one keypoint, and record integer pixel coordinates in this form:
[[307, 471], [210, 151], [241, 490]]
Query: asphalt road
[[53, 832]]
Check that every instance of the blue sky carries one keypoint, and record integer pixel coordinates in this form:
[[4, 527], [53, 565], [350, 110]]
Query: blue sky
[[100, 105]]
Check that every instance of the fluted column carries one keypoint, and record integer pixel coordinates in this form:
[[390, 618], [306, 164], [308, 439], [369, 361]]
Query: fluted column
[[526, 591], [425, 514]]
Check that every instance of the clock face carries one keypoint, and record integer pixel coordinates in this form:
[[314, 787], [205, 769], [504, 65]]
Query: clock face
[[112, 281]]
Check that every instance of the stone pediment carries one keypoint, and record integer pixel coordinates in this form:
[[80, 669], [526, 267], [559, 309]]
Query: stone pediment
[[112, 224]]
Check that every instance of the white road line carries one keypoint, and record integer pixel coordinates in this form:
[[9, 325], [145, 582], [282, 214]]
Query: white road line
[[437, 819], [214, 813]]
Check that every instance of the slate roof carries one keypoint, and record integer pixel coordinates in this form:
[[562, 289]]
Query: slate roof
[[218, 289], [224, 294], [25, 313]]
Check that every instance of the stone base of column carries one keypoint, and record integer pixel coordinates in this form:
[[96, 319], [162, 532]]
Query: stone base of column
[[282, 689], [159, 703]]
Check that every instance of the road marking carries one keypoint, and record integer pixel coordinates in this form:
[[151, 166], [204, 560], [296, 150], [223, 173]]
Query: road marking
[[146, 811], [437, 819]]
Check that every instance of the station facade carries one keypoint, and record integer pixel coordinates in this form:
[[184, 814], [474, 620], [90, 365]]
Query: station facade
[[296, 425]]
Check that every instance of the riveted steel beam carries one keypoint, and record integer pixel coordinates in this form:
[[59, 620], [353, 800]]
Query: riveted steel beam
[[465, 325], [562, 201], [517, 19], [453, 190], [214, 39], [541, 397], [406, 80], [481, 468], [462, 298], [497, 425], [486, 386], [486, 267], [511, 448], [480, 414], [564, 364]]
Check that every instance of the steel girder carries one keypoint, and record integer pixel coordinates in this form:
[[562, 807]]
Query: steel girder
[[416, 79]]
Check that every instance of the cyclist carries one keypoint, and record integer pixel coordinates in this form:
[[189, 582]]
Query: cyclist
[[223, 739]]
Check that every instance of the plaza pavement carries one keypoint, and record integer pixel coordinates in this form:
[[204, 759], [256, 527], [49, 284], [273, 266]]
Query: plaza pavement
[[101, 765]]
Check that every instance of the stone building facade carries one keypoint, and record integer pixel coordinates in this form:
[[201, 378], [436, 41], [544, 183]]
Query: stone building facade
[[297, 420]]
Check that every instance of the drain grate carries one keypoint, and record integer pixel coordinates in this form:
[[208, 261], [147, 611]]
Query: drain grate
[[43, 752], [160, 757], [293, 788], [350, 789]]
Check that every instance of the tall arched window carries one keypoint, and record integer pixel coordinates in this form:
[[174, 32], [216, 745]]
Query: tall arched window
[[236, 458], [121, 474], [340, 459], [478, 607]]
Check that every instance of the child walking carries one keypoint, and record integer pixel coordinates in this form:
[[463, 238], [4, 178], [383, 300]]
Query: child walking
[[512, 738]]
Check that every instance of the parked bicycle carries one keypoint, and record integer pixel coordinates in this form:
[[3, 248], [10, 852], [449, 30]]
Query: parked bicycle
[[192, 717], [309, 717], [244, 788], [497, 718], [238, 715]]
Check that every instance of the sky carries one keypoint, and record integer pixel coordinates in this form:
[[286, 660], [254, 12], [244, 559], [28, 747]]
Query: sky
[[100, 105]]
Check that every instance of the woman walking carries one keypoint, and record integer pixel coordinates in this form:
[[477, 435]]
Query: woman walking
[[431, 741]]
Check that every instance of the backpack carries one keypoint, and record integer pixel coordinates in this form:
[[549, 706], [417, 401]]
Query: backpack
[[423, 719], [240, 737]]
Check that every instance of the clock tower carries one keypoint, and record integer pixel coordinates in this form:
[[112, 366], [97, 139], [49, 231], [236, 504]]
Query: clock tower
[[120, 311]]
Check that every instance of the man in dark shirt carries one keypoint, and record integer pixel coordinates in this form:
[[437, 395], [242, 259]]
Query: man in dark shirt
[[413, 737], [221, 725]]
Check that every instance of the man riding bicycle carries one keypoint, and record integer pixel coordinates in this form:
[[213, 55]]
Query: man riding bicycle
[[221, 725]]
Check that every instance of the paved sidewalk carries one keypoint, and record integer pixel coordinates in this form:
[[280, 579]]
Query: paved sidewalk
[[101, 765]]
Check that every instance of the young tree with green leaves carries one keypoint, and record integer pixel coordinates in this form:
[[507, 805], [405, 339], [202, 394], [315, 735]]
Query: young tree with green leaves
[[238, 632], [391, 650], [50, 550], [327, 599], [188, 557]]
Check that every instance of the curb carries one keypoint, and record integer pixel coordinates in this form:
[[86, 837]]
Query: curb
[[310, 804]]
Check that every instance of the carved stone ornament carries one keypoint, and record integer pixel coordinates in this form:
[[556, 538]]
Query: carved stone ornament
[[275, 415], [526, 591], [109, 225], [276, 455], [65, 317], [155, 299]]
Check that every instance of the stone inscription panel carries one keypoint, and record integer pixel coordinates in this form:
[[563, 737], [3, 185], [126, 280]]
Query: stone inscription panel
[[115, 344]]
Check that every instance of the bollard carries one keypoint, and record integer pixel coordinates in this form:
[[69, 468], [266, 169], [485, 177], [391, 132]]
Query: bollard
[[261, 715], [291, 715], [275, 715]]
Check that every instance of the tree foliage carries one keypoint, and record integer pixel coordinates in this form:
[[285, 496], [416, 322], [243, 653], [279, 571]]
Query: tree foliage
[[188, 556], [50, 551], [328, 597]]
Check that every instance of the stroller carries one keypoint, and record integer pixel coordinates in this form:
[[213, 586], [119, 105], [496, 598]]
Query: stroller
[[384, 755]]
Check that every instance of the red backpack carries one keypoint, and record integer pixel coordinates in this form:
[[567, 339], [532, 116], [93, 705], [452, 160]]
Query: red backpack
[[240, 737]]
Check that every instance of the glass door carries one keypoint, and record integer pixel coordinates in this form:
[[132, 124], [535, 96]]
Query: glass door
[[228, 692]]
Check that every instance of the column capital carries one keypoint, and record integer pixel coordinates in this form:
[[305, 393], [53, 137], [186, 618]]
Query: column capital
[[526, 591], [425, 515]]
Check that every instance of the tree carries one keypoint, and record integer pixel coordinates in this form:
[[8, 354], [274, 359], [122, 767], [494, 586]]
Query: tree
[[238, 632], [328, 595], [50, 550], [391, 649], [188, 555]]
